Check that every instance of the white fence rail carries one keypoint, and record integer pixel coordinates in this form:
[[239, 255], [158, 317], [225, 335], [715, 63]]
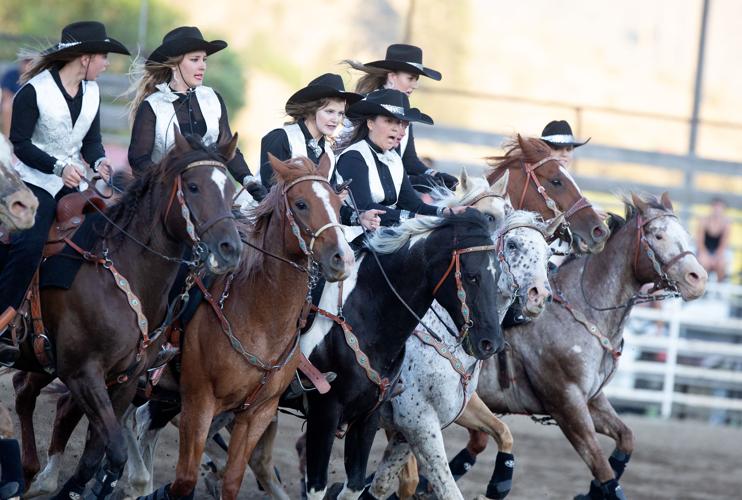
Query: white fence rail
[[684, 358]]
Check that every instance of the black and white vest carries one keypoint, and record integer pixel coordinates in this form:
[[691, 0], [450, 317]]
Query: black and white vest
[[54, 133], [298, 144], [166, 119]]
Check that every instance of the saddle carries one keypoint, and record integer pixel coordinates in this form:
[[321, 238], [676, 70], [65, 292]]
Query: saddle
[[71, 210]]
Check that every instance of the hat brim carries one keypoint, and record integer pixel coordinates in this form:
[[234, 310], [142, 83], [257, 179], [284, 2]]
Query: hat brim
[[182, 46], [365, 109], [109, 45], [407, 67], [316, 92], [574, 143]]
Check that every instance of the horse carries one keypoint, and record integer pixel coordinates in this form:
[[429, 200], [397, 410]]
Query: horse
[[559, 364], [440, 382], [540, 183], [294, 234], [17, 203], [100, 353]]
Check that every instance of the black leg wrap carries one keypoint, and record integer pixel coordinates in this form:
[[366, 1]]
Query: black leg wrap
[[105, 482], [595, 492], [612, 490], [11, 480], [502, 477], [618, 461], [163, 493], [461, 463], [70, 490]]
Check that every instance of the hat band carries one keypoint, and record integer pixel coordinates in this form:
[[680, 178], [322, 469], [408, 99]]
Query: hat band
[[64, 45], [417, 65], [559, 138], [393, 109]]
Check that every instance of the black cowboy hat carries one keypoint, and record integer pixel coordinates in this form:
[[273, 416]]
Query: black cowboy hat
[[387, 102], [327, 85], [402, 57], [181, 41], [558, 134], [86, 37]]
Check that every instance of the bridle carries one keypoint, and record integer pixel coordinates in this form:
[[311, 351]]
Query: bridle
[[500, 248]]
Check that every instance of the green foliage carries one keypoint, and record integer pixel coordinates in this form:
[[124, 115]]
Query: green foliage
[[224, 74]]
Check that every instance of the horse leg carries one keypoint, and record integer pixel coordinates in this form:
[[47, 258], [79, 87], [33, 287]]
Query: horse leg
[[574, 420], [396, 456], [358, 443], [608, 423], [409, 478], [426, 441], [248, 429], [137, 472], [66, 420], [261, 462], [476, 416], [322, 422], [27, 387]]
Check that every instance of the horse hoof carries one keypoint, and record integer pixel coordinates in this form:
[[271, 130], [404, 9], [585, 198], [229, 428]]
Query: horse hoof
[[333, 491]]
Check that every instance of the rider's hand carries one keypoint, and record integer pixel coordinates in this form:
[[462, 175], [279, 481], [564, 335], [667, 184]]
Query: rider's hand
[[370, 219], [71, 175], [104, 169]]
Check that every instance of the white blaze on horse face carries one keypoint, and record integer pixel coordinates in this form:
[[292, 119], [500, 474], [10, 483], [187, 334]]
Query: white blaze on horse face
[[321, 190], [220, 179], [569, 176]]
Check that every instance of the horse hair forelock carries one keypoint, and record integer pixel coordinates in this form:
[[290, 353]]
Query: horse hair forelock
[[444, 197]]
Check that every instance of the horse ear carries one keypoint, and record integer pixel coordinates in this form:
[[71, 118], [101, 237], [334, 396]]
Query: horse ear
[[181, 143], [280, 168], [665, 200], [640, 204], [500, 188], [228, 149], [552, 225], [464, 178], [324, 165]]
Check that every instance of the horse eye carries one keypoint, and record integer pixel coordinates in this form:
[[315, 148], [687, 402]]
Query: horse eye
[[490, 218], [193, 188], [473, 279], [512, 245], [556, 182], [658, 236], [301, 205]]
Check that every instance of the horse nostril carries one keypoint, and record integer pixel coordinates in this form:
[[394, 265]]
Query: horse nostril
[[598, 233], [486, 346], [226, 248], [692, 277]]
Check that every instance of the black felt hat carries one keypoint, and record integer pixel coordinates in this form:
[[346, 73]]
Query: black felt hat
[[181, 41], [558, 134], [86, 37], [387, 102], [402, 57], [324, 86]]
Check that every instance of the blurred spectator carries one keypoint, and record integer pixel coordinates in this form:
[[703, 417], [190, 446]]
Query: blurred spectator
[[713, 240], [10, 85]]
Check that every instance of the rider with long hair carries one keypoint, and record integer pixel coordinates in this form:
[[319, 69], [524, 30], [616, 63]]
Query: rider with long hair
[[170, 93], [401, 70], [54, 128]]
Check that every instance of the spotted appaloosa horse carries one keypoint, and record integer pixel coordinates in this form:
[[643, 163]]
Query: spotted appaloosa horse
[[559, 364], [17, 203]]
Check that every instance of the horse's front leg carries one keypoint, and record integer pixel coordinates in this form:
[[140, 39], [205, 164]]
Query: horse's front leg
[[358, 443], [396, 456], [323, 419], [261, 462], [478, 417]]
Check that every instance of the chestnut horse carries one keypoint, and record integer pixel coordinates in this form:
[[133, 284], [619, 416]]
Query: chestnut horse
[[242, 353], [17, 203], [102, 346], [540, 183]]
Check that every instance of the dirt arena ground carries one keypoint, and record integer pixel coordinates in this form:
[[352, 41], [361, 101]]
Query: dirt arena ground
[[672, 460]]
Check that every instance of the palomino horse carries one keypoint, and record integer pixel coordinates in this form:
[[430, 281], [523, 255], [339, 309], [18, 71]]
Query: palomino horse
[[559, 364], [101, 348], [540, 183], [240, 354], [439, 383], [362, 328], [17, 202]]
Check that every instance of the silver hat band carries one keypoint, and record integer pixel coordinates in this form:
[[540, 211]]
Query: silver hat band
[[417, 65], [560, 138], [64, 45], [393, 109]]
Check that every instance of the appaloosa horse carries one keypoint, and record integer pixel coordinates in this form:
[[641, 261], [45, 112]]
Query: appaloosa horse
[[17, 203], [540, 183], [559, 364], [99, 328], [242, 345]]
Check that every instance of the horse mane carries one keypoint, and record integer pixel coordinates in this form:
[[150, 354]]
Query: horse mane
[[391, 239], [444, 197], [523, 217], [518, 148], [139, 190]]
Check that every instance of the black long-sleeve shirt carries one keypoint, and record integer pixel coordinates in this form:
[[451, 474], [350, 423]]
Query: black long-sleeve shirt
[[23, 124], [351, 165], [276, 142], [190, 121], [412, 164]]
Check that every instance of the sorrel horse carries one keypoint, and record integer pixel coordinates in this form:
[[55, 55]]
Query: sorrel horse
[[540, 183], [17, 202], [559, 364], [241, 353], [101, 348]]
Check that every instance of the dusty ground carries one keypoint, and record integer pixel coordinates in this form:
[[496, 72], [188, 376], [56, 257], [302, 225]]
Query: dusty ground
[[673, 460]]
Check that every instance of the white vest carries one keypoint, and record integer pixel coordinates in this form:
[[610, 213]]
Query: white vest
[[166, 119], [405, 140], [298, 144], [54, 133]]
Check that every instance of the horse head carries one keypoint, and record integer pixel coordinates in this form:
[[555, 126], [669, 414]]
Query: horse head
[[462, 271], [312, 208], [539, 182], [17, 203], [200, 200], [663, 254]]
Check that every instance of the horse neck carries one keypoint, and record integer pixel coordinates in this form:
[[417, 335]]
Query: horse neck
[[608, 280]]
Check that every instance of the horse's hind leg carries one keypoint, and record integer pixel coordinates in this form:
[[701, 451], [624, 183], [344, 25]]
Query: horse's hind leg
[[261, 463], [396, 456], [476, 416], [426, 441], [27, 389], [65, 422]]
